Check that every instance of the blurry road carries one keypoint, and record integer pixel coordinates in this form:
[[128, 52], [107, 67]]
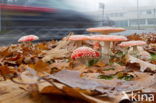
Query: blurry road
[[44, 35], [13, 36]]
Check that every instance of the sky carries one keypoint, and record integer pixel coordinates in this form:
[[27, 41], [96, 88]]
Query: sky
[[93, 5]]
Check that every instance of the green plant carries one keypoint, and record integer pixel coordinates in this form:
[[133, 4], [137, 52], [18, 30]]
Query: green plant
[[153, 56], [106, 77]]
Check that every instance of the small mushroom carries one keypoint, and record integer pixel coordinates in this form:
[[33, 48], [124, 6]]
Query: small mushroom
[[84, 54], [78, 38], [105, 41], [134, 45], [106, 30], [28, 38]]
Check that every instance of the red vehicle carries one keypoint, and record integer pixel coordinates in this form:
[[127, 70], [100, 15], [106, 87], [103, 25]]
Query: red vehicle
[[42, 13], [43, 17]]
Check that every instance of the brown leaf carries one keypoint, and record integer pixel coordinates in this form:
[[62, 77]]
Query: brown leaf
[[5, 70], [5, 52], [134, 37], [42, 46], [72, 92], [63, 50], [51, 90], [73, 79], [61, 65], [56, 53], [100, 64], [153, 62], [29, 76], [40, 66], [141, 81], [18, 56], [117, 68]]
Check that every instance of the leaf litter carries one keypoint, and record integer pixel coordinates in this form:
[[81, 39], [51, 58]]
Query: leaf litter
[[46, 68]]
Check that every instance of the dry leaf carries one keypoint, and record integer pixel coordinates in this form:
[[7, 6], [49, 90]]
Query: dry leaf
[[6, 71], [40, 66], [73, 79], [29, 76], [72, 92], [143, 64], [100, 64]]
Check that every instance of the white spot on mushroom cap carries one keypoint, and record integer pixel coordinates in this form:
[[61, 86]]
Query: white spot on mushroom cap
[[84, 52]]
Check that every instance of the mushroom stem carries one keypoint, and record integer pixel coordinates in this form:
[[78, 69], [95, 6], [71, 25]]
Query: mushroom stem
[[124, 50], [84, 61], [135, 48], [96, 45], [105, 51], [134, 52], [79, 43]]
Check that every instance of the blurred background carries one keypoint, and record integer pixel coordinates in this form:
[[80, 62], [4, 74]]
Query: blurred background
[[131, 14], [55, 18]]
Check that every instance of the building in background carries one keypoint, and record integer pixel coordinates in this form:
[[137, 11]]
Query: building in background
[[128, 17]]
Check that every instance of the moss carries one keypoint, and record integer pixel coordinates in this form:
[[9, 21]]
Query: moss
[[124, 76], [128, 77], [106, 77], [92, 62], [153, 56]]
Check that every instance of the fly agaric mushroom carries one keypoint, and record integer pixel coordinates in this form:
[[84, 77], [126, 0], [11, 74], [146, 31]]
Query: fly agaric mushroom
[[78, 38], [133, 44], [28, 38], [84, 54], [105, 41], [105, 30]]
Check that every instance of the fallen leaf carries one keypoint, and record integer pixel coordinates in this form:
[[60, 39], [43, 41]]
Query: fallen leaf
[[6, 52], [72, 92], [5, 71], [40, 67], [29, 76], [73, 79], [100, 64]]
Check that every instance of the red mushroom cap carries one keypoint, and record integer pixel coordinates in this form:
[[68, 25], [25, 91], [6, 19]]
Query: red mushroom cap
[[108, 38], [28, 38], [84, 52], [78, 37], [132, 43], [105, 30]]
